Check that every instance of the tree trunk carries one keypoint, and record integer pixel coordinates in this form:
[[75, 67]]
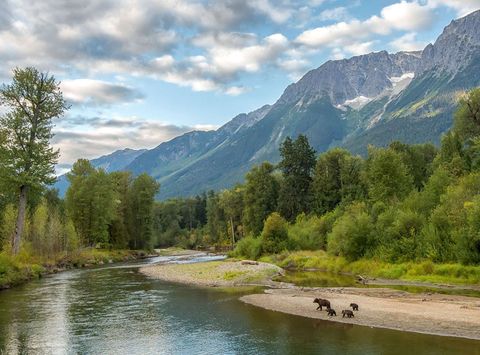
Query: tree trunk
[[233, 232], [22, 205]]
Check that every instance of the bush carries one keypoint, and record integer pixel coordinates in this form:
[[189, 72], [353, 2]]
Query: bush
[[248, 247], [310, 233], [275, 234], [352, 234]]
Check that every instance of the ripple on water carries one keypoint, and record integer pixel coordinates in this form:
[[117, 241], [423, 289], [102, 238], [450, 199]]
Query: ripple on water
[[118, 310]]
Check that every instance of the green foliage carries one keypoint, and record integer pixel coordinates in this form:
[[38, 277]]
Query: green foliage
[[387, 176], [467, 116], [418, 159], [260, 197], [33, 99], [91, 202], [27, 160], [297, 164], [425, 270], [310, 233], [232, 204], [454, 223], [248, 247], [141, 197], [111, 209], [452, 155], [337, 178], [7, 226], [398, 234], [13, 271], [275, 234], [216, 222], [353, 233]]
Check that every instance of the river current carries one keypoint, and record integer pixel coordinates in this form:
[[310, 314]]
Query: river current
[[117, 310]]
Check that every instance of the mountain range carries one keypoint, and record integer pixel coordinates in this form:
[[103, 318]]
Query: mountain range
[[369, 99]]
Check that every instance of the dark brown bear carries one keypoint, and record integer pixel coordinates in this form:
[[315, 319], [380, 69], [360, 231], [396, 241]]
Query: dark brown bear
[[331, 312], [322, 303], [354, 306], [348, 313]]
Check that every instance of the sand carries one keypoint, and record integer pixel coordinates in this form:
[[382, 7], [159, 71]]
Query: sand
[[437, 314], [214, 273], [448, 315]]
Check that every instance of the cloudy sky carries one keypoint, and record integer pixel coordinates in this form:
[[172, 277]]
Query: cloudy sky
[[139, 72]]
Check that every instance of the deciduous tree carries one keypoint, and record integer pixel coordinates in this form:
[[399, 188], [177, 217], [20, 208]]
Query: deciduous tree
[[33, 100]]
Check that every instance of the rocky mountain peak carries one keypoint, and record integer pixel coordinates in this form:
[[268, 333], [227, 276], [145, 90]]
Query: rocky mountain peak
[[453, 50], [244, 120], [366, 76]]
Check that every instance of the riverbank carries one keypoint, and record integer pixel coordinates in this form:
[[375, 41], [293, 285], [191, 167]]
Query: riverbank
[[215, 273], [424, 272], [22, 268], [436, 314], [428, 312]]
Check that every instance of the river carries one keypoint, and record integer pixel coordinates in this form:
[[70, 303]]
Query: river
[[117, 310]]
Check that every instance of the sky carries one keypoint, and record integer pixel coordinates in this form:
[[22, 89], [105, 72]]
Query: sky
[[140, 72]]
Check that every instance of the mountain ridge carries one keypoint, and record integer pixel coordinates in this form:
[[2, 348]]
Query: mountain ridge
[[369, 99]]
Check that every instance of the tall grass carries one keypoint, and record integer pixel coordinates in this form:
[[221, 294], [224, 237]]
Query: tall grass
[[26, 265], [425, 271]]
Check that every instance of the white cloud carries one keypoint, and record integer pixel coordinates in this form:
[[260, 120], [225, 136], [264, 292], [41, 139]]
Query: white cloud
[[229, 60], [97, 136], [407, 16], [236, 90], [277, 14], [336, 14], [202, 44], [97, 92], [404, 15], [407, 42], [360, 48], [463, 7]]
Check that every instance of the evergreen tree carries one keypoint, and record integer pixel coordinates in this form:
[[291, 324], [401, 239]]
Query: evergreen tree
[[261, 195], [297, 164], [337, 178]]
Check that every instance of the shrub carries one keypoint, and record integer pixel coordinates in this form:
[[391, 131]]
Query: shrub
[[248, 247], [352, 234], [310, 233], [275, 234]]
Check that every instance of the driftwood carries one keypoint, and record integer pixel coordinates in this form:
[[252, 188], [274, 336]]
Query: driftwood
[[362, 279], [249, 262]]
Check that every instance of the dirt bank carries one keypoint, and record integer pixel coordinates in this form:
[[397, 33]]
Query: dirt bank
[[384, 308]]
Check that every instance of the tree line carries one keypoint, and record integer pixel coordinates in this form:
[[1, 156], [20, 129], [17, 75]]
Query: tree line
[[402, 202], [100, 210]]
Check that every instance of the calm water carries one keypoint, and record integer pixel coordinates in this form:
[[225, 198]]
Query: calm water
[[116, 310], [329, 279]]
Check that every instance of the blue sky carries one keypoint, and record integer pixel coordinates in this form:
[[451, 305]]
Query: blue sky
[[140, 72]]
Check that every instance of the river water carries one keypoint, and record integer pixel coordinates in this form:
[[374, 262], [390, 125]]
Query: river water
[[117, 310]]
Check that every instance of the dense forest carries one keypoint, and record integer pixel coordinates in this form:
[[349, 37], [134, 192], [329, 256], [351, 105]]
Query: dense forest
[[402, 202], [100, 210]]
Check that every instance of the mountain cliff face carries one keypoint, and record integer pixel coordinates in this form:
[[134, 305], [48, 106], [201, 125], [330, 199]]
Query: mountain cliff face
[[423, 110], [368, 99], [344, 80]]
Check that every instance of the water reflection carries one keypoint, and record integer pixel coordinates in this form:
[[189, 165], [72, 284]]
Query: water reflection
[[117, 310]]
